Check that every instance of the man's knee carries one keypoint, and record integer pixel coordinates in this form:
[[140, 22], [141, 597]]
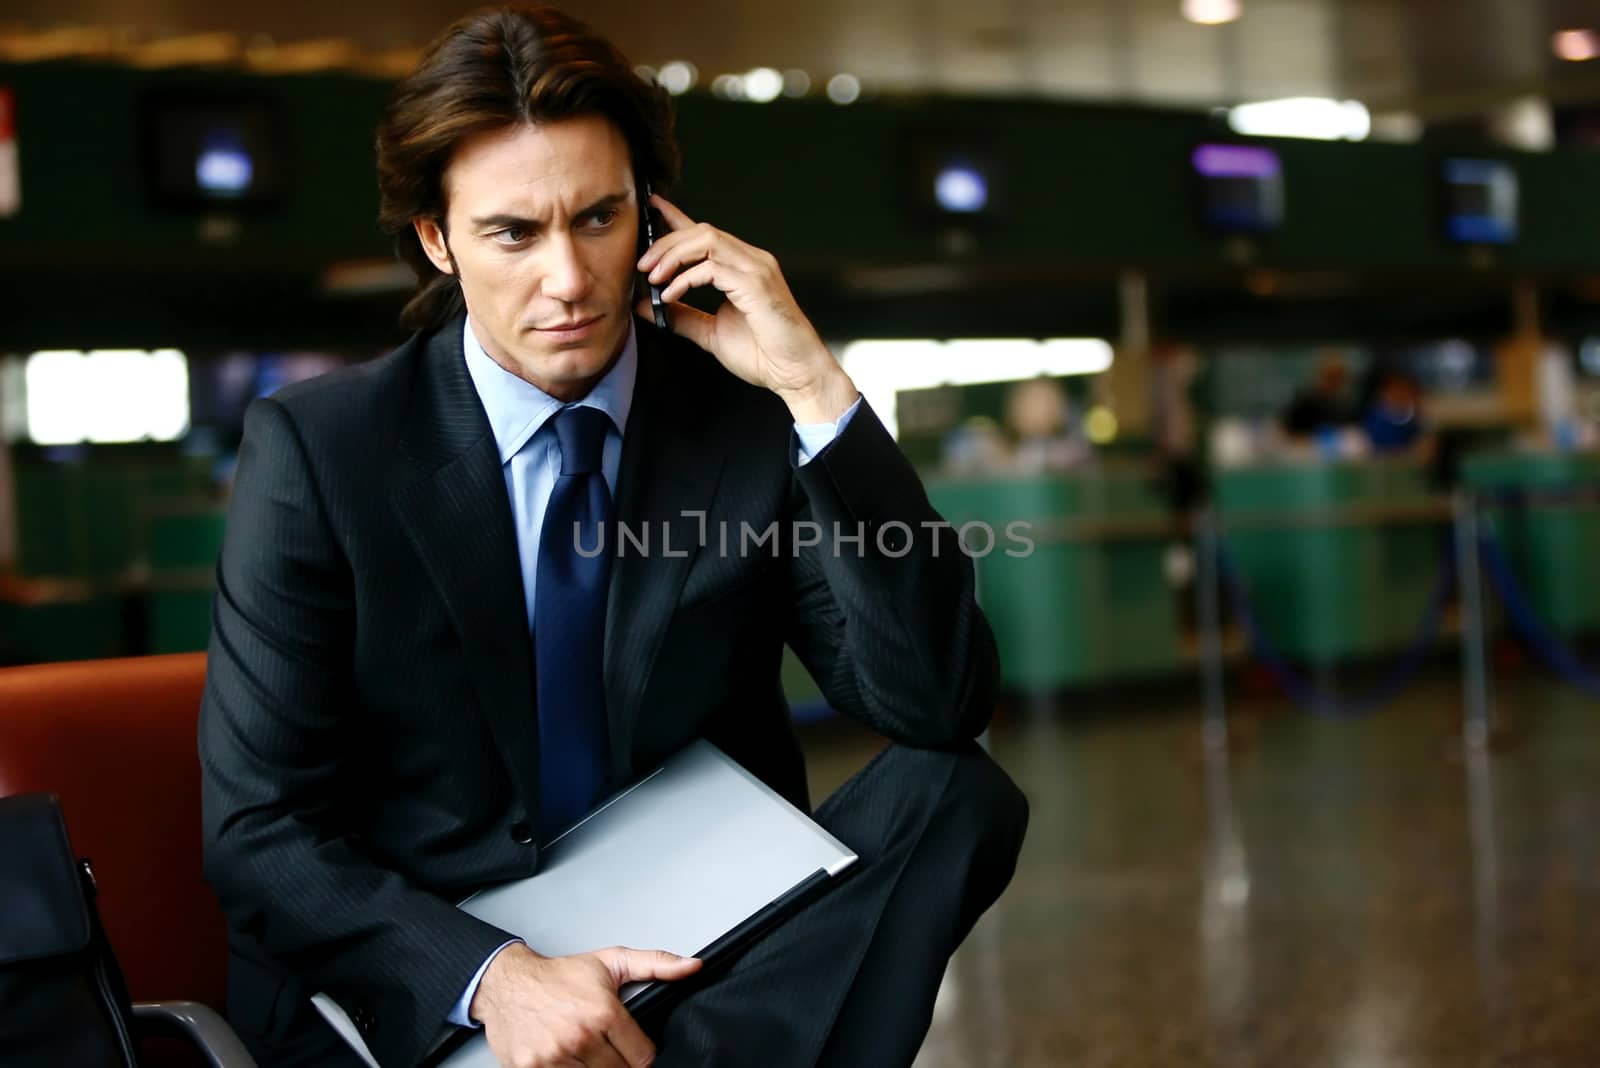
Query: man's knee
[[1000, 806], [975, 792]]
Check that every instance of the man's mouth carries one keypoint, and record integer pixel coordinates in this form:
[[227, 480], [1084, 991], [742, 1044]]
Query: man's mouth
[[569, 329]]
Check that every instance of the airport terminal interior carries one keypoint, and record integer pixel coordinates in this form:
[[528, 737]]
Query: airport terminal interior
[[1251, 346]]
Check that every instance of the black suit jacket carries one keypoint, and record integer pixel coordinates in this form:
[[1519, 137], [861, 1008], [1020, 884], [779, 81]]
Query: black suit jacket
[[368, 737]]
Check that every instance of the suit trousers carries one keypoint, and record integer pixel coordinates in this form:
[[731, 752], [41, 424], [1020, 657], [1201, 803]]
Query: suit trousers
[[850, 979]]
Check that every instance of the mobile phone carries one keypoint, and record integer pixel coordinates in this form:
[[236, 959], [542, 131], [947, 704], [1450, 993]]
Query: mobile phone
[[648, 222]]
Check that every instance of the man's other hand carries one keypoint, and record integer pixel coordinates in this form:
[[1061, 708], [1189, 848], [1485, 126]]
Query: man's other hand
[[549, 1011]]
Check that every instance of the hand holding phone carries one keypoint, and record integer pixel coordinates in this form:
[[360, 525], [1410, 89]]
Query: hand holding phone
[[649, 224], [758, 332]]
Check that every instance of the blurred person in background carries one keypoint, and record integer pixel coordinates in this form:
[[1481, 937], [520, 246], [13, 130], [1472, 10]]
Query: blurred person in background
[[1175, 423], [414, 682], [976, 446], [1323, 406], [1392, 414], [1039, 413]]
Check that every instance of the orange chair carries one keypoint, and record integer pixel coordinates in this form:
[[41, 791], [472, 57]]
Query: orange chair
[[115, 739]]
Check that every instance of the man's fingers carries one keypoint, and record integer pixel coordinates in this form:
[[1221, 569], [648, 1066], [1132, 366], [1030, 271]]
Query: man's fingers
[[677, 250], [704, 273], [637, 965], [670, 255], [686, 322], [633, 1047], [604, 1055], [670, 213]]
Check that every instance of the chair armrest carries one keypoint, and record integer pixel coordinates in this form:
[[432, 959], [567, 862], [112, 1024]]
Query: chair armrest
[[200, 1025]]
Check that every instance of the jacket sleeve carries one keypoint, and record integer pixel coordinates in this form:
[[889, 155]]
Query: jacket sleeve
[[272, 738], [889, 625]]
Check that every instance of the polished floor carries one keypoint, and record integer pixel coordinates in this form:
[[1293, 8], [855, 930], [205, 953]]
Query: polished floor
[[1348, 894]]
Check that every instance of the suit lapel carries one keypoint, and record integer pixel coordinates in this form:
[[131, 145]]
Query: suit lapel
[[450, 494], [668, 469]]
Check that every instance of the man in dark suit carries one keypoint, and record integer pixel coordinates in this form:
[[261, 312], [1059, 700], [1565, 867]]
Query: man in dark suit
[[420, 670]]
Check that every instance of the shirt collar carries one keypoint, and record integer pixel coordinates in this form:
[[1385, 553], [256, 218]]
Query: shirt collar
[[518, 408]]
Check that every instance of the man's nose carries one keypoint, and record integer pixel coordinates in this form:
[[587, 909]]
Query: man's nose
[[566, 275]]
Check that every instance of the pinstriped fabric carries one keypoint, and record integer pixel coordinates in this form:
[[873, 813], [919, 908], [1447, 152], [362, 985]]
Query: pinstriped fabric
[[851, 979], [318, 841], [369, 734]]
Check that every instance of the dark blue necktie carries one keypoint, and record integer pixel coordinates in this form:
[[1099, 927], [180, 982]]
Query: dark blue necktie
[[569, 621]]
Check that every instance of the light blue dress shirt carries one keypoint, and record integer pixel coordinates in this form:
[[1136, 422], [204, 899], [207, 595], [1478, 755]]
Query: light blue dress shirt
[[530, 456]]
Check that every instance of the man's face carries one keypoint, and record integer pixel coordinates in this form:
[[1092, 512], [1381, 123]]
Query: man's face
[[543, 226]]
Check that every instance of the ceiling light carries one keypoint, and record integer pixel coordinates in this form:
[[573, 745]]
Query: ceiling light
[[68, 43], [844, 88], [189, 49], [332, 53], [678, 77], [1575, 46], [1212, 12], [763, 85]]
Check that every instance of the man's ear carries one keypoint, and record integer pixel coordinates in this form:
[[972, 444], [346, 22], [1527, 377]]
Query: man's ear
[[431, 234]]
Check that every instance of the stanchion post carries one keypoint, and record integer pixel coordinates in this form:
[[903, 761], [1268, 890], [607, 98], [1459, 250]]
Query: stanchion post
[[985, 740], [1214, 730], [1474, 639]]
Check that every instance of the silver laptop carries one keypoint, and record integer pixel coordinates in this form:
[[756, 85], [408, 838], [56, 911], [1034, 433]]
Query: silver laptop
[[699, 858]]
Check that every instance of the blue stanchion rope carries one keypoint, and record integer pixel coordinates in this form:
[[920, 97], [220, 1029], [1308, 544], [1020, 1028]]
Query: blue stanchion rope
[[1301, 690], [1544, 642]]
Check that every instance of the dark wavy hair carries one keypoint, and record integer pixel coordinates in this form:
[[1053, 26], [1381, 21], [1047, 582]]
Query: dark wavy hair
[[495, 68]]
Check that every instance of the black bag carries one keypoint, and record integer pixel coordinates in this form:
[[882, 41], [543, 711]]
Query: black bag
[[62, 997]]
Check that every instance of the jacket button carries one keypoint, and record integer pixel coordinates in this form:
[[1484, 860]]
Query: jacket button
[[522, 832]]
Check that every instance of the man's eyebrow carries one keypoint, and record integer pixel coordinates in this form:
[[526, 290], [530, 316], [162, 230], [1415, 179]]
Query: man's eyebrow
[[504, 221]]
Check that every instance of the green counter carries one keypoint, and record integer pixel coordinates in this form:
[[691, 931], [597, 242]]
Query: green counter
[[1090, 603], [86, 520], [135, 539], [182, 549], [1338, 559], [1553, 546]]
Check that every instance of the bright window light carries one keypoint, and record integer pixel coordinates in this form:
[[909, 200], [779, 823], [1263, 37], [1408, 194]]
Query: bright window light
[[106, 396], [53, 381], [1317, 118], [881, 369], [167, 411], [115, 395]]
